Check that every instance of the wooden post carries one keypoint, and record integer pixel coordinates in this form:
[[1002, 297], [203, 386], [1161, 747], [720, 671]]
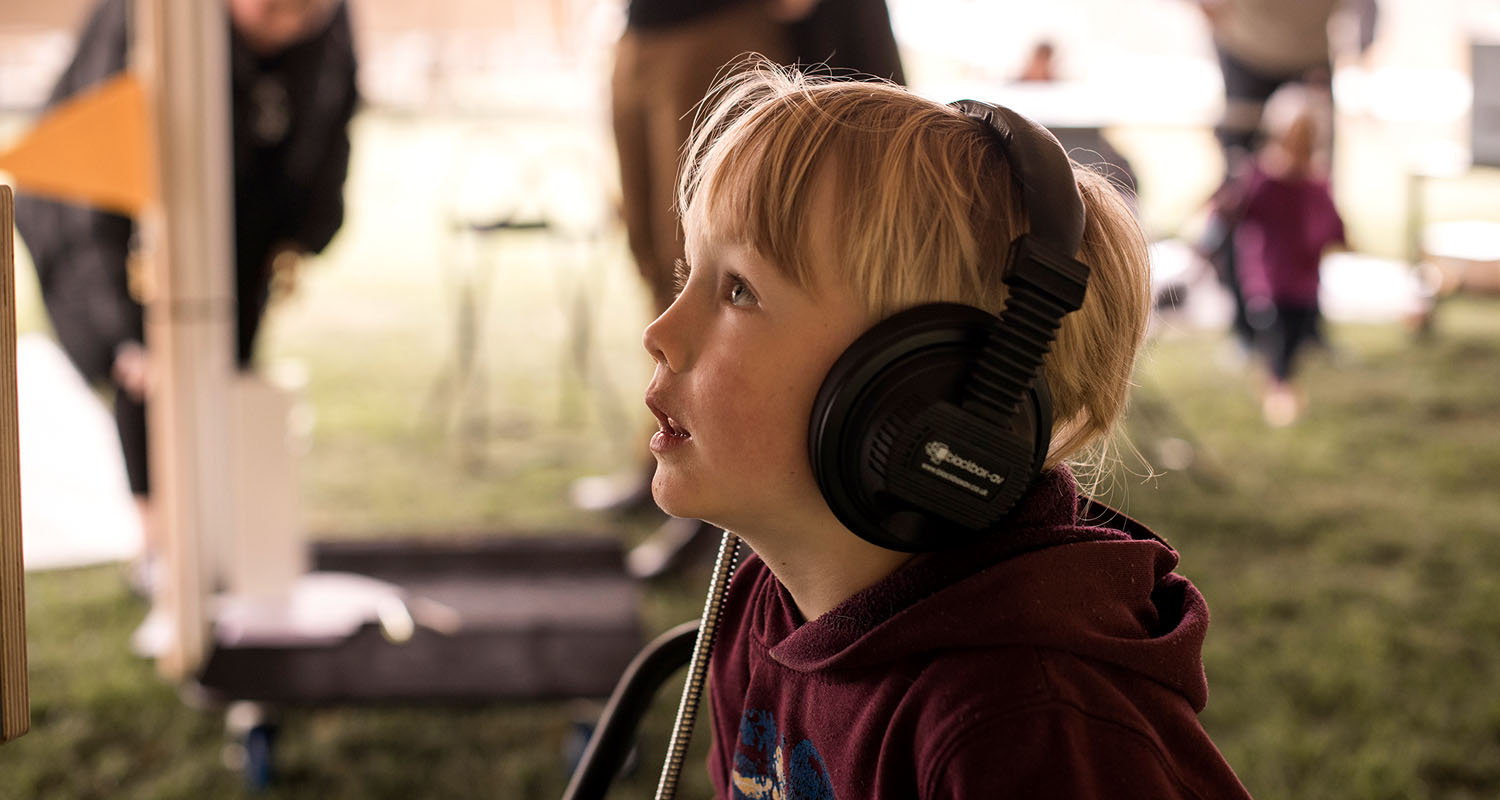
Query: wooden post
[[181, 52], [15, 713]]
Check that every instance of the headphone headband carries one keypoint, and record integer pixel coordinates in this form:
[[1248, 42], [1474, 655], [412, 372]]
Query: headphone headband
[[1041, 169], [1045, 282]]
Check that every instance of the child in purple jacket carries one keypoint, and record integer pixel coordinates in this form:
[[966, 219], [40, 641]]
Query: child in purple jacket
[[1286, 219], [1051, 654]]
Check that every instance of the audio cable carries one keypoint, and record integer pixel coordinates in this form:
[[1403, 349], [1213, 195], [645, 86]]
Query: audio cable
[[692, 691]]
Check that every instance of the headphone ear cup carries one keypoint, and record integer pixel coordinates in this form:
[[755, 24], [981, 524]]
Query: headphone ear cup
[[892, 375]]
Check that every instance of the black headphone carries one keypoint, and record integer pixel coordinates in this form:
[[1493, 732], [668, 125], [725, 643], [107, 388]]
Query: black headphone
[[934, 422]]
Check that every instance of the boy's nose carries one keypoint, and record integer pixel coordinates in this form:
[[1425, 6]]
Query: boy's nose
[[663, 341]]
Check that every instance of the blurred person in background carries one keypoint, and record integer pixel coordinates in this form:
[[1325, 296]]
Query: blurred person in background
[[669, 55], [1284, 218], [293, 93], [1085, 144], [850, 38], [1263, 45], [1041, 64]]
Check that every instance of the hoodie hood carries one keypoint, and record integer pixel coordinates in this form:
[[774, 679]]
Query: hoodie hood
[[1070, 575]]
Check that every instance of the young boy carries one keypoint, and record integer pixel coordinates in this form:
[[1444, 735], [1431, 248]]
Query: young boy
[[1056, 656]]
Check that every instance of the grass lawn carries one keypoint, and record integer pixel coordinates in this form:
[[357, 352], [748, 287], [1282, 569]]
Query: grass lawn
[[1348, 560]]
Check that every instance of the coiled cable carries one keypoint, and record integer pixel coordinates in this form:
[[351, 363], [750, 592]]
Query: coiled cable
[[692, 691]]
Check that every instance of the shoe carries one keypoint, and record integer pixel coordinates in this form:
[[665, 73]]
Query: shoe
[[153, 637], [1281, 407]]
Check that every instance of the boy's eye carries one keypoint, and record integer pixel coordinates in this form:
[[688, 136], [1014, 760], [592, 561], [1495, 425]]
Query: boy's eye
[[680, 272], [739, 292]]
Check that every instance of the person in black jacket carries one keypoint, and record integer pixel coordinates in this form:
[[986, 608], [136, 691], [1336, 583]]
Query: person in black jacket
[[667, 58], [293, 94]]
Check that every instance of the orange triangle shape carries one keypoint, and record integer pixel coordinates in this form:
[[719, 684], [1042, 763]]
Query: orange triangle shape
[[91, 149]]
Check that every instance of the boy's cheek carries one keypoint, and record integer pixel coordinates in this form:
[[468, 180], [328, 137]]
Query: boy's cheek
[[771, 438], [769, 410]]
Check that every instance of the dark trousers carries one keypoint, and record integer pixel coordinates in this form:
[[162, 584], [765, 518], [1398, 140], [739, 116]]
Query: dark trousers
[[1284, 329], [659, 77], [130, 419]]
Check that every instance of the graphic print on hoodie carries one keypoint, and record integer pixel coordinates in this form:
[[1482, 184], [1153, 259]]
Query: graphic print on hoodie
[[763, 770], [1060, 658]]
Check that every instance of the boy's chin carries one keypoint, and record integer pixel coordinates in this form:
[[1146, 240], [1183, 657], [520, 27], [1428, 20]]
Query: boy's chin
[[672, 499], [684, 507]]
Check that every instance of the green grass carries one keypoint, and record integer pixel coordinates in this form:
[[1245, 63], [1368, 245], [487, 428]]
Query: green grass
[[1348, 560]]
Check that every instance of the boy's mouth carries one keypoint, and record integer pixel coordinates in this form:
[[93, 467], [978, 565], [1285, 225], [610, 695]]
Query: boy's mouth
[[668, 425]]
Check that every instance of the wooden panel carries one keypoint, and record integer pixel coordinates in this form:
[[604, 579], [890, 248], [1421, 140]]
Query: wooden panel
[[180, 54], [15, 713], [267, 551]]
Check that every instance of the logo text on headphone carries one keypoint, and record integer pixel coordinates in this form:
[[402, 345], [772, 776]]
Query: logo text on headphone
[[941, 453]]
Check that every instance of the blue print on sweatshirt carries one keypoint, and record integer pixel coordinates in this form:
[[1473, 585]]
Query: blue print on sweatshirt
[[763, 771]]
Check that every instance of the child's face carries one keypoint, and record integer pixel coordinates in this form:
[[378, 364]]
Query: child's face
[[1298, 141], [740, 356], [270, 26]]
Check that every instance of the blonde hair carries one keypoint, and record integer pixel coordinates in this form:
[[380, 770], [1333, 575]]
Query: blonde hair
[[926, 212]]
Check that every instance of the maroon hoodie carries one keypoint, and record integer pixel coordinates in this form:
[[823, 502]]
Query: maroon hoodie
[[1060, 659]]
